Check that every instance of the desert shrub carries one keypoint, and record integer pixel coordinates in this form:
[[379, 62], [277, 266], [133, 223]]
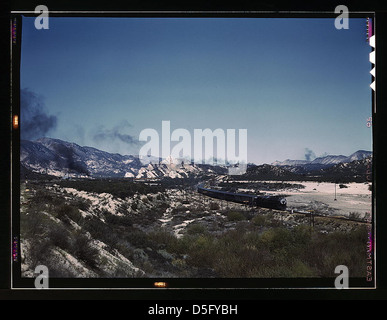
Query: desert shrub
[[160, 196], [124, 208], [74, 214], [119, 188], [235, 216], [214, 206], [179, 263], [134, 206], [57, 269], [271, 221], [138, 238], [39, 250], [163, 239], [60, 236], [179, 208], [118, 220], [32, 224], [243, 262], [43, 196], [68, 211], [83, 205], [286, 243], [326, 251], [101, 231], [196, 228], [202, 252], [58, 201], [302, 235], [300, 269], [258, 220], [111, 219], [163, 206], [83, 249], [183, 245], [355, 215], [246, 253]]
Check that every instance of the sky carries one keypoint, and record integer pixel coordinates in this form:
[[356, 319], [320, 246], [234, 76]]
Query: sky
[[299, 86]]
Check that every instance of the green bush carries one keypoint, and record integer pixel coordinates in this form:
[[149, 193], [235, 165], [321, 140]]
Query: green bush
[[43, 196], [258, 220], [60, 236], [262, 247], [202, 252], [196, 228], [138, 238], [235, 216], [124, 221], [326, 251], [214, 206], [162, 239], [83, 250], [277, 252], [119, 188], [83, 205], [32, 224], [68, 211]]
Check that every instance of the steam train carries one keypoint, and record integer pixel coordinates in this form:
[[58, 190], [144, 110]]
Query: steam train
[[271, 202]]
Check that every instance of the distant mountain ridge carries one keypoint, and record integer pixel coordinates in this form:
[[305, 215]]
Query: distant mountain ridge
[[354, 171], [66, 159], [322, 162], [60, 158]]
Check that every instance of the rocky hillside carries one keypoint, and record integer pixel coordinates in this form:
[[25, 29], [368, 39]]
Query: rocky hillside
[[65, 159]]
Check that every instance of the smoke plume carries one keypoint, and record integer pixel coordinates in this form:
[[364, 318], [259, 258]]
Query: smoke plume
[[35, 122], [115, 134], [68, 158], [309, 154]]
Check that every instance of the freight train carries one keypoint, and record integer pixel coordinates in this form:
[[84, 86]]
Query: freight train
[[263, 201]]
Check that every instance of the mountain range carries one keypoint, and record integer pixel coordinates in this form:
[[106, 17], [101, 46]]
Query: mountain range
[[304, 166], [61, 158], [66, 159]]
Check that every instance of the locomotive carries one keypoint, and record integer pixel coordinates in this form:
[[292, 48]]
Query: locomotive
[[263, 201]]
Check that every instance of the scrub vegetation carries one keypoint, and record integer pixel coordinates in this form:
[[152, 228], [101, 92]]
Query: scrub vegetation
[[78, 237]]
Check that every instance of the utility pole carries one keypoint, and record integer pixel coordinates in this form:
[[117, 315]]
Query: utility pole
[[311, 220]]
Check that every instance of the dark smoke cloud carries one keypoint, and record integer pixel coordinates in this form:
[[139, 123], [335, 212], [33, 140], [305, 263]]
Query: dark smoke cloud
[[67, 157], [35, 122], [115, 133], [309, 154]]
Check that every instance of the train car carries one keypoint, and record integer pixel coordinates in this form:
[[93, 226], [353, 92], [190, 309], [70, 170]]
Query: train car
[[271, 202]]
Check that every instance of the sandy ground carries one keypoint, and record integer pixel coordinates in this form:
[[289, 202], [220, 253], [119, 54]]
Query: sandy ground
[[356, 199]]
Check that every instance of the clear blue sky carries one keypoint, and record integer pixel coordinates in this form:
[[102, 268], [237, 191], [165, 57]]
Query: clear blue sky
[[292, 83]]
